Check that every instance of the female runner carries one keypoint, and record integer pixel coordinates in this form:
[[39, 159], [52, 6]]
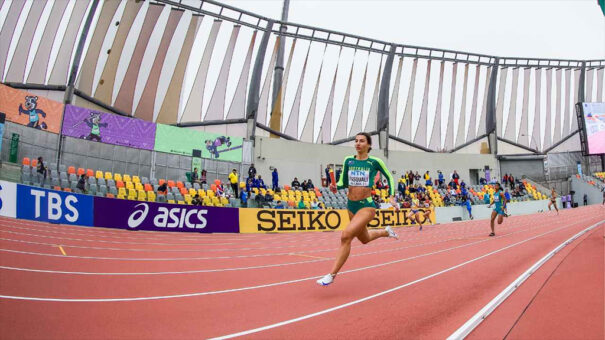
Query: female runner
[[358, 175], [499, 209], [553, 200], [414, 213]]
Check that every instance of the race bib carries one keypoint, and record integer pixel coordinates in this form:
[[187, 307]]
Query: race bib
[[359, 178]]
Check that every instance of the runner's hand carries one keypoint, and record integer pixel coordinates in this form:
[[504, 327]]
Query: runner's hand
[[394, 203], [333, 188]]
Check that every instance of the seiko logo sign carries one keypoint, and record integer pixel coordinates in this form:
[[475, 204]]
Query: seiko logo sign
[[290, 220], [169, 218]]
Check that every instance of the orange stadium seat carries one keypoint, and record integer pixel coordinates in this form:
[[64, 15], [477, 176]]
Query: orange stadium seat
[[184, 191], [81, 172], [90, 173], [34, 163], [25, 161], [119, 184], [161, 181], [179, 184], [171, 183], [148, 187], [71, 170]]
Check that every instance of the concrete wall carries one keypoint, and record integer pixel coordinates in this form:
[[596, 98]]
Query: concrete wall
[[306, 160], [447, 214], [595, 196]]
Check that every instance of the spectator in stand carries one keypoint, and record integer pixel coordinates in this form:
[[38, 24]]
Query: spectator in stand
[[304, 185], [163, 189], [462, 184], [447, 200], [417, 177], [268, 197], [203, 177], [279, 205], [379, 185], [301, 205], [452, 184], [194, 176], [259, 183], [220, 190], [82, 184], [507, 195], [234, 180], [456, 177], [275, 179], [441, 179], [251, 171], [482, 181], [410, 176], [427, 178], [310, 185], [295, 184], [401, 188], [453, 192], [337, 175], [314, 204], [585, 199], [517, 192], [42, 171], [196, 200], [505, 178], [486, 199], [327, 171], [244, 199], [249, 184]]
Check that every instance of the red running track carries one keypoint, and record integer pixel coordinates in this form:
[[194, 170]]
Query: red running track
[[69, 282]]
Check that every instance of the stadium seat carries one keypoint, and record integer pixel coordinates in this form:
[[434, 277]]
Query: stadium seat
[[81, 172], [25, 161], [34, 163], [117, 177], [145, 180], [67, 189], [108, 175], [71, 170], [151, 197], [99, 174], [110, 196], [126, 178], [136, 179], [148, 187], [120, 184], [180, 184], [90, 173], [129, 185], [138, 186], [184, 191], [141, 195], [170, 183]]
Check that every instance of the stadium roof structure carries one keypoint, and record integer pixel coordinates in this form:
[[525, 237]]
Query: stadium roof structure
[[203, 63]]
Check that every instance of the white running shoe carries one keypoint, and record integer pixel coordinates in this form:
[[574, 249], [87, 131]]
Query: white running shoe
[[392, 233], [326, 280]]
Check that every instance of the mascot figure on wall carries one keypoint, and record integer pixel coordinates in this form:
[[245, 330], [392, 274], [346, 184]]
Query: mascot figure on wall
[[94, 123], [31, 109], [213, 146]]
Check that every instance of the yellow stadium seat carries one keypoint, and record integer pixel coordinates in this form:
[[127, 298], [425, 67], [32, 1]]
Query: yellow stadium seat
[[141, 195], [202, 192], [171, 201], [132, 192], [192, 192], [151, 196], [117, 177], [99, 174], [127, 178], [122, 197], [108, 175], [121, 191], [180, 202], [129, 185], [188, 199], [138, 186], [136, 179]]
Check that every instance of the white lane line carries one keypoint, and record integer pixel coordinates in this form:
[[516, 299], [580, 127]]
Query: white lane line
[[250, 256], [308, 316], [275, 283], [80, 233], [476, 319], [437, 235]]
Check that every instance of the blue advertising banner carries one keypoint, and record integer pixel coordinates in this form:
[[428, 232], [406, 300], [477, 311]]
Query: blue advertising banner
[[54, 206], [150, 216]]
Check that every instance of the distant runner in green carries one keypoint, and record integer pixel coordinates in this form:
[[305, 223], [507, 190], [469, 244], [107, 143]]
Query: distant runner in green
[[358, 175]]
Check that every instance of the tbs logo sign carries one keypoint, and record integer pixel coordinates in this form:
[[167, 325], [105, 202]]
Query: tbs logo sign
[[54, 206], [167, 218]]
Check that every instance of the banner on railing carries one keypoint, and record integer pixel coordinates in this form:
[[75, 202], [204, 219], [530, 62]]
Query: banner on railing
[[54, 206], [183, 141], [8, 199], [136, 215], [108, 128], [293, 220], [28, 109]]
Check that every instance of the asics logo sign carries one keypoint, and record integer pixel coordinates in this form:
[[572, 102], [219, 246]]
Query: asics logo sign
[[136, 218], [168, 218]]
